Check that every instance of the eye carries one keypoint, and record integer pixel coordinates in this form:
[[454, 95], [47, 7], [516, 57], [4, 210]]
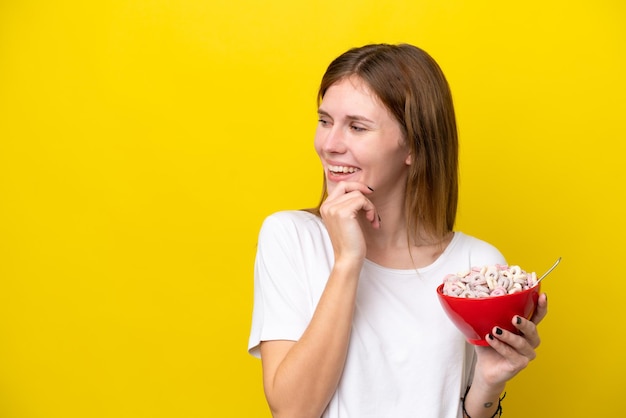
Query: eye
[[357, 128], [323, 122]]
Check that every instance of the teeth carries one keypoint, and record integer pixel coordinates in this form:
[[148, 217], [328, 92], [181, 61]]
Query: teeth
[[342, 169]]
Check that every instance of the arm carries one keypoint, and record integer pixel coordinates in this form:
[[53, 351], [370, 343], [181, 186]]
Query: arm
[[507, 355], [301, 377]]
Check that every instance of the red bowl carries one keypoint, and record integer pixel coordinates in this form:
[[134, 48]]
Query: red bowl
[[476, 317]]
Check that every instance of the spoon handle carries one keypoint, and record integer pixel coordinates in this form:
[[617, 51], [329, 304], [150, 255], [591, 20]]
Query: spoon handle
[[556, 263]]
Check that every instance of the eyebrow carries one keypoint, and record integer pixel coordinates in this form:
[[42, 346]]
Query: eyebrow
[[356, 118]]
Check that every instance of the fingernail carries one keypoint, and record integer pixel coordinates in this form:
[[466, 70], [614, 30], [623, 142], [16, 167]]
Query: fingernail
[[490, 336], [370, 188], [499, 331], [518, 320]]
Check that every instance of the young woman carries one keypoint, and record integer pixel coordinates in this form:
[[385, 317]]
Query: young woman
[[346, 318]]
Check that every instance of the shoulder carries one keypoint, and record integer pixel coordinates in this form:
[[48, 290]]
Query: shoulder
[[296, 224], [479, 252], [292, 217], [291, 220], [291, 235]]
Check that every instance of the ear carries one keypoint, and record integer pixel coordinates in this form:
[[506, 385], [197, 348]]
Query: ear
[[409, 159]]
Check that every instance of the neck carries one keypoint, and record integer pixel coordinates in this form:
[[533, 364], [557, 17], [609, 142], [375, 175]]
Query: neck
[[393, 246]]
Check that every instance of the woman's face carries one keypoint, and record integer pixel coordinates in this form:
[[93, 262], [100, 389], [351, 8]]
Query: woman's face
[[357, 139]]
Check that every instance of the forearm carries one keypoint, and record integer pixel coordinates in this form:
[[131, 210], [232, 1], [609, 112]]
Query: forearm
[[306, 378]]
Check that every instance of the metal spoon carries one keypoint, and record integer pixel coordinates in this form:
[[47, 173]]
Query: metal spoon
[[556, 263]]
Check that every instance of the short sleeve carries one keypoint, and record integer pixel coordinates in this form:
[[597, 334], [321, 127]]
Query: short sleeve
[[284, 295]]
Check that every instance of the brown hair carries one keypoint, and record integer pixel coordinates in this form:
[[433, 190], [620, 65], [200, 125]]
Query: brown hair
[[411, 85]]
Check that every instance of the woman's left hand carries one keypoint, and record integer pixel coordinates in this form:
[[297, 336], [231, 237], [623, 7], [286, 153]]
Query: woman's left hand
[[509, 353]]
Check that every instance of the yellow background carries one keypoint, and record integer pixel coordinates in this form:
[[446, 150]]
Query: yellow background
[[143, 142]]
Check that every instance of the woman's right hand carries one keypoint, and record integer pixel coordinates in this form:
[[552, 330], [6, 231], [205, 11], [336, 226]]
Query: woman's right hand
[[345, 212]]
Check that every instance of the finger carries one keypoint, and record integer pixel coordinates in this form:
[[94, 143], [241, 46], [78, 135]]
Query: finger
[[512, 362], [344, 187], [346, 200], [542, 309], [523, 342], [516, 348], [528, 329], [370, 212]]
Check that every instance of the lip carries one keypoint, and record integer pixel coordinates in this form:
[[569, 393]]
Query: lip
[[335, 176], [333, 163]]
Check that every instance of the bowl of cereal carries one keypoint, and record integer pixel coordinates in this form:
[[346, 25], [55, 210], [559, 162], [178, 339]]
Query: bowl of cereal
[[478, 300]]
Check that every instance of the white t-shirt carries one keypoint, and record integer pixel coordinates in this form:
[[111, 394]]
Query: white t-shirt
[[405, 357]]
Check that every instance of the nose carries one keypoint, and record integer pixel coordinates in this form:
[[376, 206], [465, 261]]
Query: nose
[[332, 140]]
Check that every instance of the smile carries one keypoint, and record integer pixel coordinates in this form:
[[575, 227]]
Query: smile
[[342, 169]]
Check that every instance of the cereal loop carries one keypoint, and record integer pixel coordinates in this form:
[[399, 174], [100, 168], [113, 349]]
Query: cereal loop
[[488, 281]]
